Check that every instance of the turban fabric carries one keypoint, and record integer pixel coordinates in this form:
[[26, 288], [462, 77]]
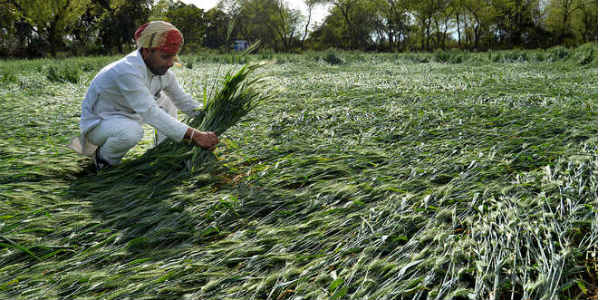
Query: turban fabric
[[159, 35]]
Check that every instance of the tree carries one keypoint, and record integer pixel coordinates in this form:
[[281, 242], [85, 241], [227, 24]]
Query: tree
[[270, 21], [441, 20], [348, 8], [396, 16], [191, 21], [458, 8], [217, 23], [158, 12], [561, 20], [310, 4], [285, 24], [120, 22], [360, 18], [587, 15], [50, 19], [12, 35], [332, 33], [424, 11], [478, 20], [85, 32], [514, 20]]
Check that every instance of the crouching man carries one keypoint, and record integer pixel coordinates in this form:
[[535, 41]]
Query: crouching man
[[138, 89]]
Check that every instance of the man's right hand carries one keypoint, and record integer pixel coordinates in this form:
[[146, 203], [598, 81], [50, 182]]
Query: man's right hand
[[204, 139]]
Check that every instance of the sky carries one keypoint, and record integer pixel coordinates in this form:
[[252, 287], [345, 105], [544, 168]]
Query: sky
[[318, 15]]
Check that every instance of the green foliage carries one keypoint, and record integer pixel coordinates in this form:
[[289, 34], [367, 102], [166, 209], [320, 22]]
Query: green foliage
[[8, 77], [586, 54], [36, 28], [451, 56], [266, 54], [64, 73], [441, 56], [54, 18], [192, 23], [332, 58], [583, 55], [558, 53], [417, 57], [189, 64], [539, 56], [269, 21]]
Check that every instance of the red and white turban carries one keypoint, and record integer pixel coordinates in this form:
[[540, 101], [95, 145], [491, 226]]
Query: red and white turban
[[159, 35]]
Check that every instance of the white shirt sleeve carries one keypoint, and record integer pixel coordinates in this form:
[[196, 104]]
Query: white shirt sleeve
[[182, 100], [138, 98]]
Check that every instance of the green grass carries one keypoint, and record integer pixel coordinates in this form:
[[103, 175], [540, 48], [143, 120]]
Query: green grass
[[385, 176]]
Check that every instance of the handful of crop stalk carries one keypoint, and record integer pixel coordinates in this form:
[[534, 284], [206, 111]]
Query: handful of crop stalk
[[236, 98], [238, 95]]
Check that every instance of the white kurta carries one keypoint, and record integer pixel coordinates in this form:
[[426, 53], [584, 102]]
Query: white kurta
[[127, 88]]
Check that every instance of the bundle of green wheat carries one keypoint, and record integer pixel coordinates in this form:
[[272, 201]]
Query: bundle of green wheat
[[234, 100]]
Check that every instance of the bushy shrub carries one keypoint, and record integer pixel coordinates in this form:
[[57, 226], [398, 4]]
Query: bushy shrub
[[514, 56], [441, 56], [88, 67], [558, 53], [332, 58], [497, 57], [521, 55], [457, 58], [359, 57], [418, 58], [452, 56], [66, 73], [266, 54], [234, 59], [8, 77], [53, 74], [476, 58], [539, 56], [585, 54]]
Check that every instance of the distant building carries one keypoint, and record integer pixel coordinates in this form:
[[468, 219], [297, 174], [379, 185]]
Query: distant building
[[240, 45]]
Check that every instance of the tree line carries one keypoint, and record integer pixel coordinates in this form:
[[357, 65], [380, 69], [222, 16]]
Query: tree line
[[39, 28]]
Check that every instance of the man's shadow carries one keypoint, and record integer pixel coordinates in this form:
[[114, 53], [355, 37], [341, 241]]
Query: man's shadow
[[140, 203], [146, 206]]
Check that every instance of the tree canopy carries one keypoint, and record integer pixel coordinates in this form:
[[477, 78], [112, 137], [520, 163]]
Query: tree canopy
[[34, 28]]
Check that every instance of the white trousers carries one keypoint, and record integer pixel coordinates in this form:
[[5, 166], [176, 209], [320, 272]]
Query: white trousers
[[116, 136]]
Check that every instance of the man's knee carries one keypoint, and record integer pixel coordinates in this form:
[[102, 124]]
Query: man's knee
[[131, 135]]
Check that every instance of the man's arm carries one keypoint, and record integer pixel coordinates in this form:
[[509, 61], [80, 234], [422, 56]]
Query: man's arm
[[182, 100]]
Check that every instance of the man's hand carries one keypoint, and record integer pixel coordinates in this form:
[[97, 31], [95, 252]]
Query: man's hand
[[204, 139]]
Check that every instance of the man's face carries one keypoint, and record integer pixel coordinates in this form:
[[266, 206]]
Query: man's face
[[158, 61]]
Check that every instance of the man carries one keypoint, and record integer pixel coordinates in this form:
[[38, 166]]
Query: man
[[138, 89]]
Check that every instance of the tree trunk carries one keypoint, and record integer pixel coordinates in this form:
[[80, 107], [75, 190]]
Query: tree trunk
[[345, 13], [53, 38], [476, 31], [306, 27], [428, 36], [423, 36], [458, 29], [437, 36], [444, 33]]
